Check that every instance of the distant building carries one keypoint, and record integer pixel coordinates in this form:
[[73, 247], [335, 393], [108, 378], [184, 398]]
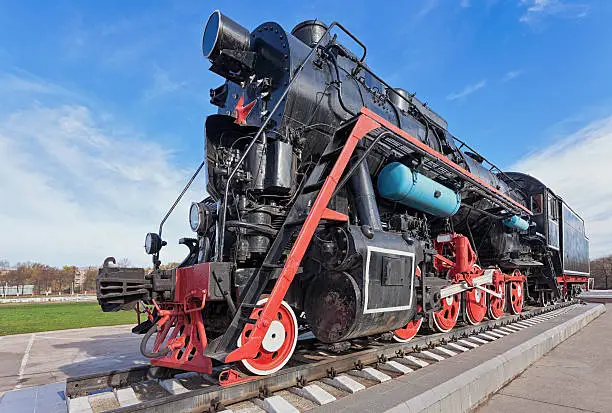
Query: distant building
[[79, 277]]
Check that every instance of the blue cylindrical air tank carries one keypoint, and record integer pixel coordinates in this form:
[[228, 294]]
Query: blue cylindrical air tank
[[516, 222], [399, 183]]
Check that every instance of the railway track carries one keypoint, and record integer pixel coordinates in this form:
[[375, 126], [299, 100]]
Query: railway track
[[314, 377]]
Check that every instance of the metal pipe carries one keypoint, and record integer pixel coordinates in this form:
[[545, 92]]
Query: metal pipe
[[179, 197], [353, 169], [364, 197]]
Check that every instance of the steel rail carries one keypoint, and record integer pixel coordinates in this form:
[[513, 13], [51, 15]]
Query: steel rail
[[215, 395]]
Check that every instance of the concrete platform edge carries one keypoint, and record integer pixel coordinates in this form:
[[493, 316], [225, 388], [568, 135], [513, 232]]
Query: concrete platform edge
[[471, 388]]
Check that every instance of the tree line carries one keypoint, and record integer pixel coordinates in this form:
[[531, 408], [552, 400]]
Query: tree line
[[601, 270], [53, 280], [47, 279]]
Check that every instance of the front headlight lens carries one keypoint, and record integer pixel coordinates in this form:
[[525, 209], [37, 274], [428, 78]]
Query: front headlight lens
[[153, 243], [194, 217]]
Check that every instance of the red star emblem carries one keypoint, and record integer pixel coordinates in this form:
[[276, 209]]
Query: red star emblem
[[241, 112]]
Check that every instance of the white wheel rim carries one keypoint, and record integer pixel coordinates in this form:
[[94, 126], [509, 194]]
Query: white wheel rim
[[444, 330], [435, 322], [405, 340], [449, 300]]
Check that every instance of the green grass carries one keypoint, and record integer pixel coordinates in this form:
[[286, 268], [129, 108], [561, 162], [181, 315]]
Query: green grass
[[31, 318]]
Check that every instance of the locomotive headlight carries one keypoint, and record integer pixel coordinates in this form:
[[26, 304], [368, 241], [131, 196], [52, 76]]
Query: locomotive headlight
[[221, 33], [197, 217], [153, 243]]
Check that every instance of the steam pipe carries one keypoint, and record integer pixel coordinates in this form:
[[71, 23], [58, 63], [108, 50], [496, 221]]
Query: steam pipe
[[364, 197]]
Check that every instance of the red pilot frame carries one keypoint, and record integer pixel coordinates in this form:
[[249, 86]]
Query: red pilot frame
[[181, 339], [567, 280]]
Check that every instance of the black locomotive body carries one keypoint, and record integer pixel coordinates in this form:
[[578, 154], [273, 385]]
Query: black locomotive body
[[337, 198]]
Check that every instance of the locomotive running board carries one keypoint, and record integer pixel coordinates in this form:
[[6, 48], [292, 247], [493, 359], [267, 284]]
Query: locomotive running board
[[477, 184]]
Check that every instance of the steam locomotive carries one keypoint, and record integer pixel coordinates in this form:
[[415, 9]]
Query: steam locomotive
[[339, 205]]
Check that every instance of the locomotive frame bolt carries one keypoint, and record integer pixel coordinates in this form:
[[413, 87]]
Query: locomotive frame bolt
[[264, 392], [216, 405], [301, 382]]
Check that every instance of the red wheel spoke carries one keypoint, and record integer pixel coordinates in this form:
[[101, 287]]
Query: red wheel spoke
[[410, 330], [516, 297], [497, 304], [446, 318], [475, 305]]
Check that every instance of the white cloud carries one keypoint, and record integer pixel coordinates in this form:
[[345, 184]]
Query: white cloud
[[428, 6], [577, 168], [537, 10], [511, 75], [10, 83], [468, 90], [77, 188], [162, 84]]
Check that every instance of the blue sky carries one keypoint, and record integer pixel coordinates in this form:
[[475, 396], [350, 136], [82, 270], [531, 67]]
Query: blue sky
[[102, 104]]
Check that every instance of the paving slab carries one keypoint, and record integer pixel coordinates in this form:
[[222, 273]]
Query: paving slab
[[459, 383], [52, 356], [48, 398], [576, 376]]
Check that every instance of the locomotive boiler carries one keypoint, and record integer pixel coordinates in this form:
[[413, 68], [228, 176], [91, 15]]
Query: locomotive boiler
[[340, 205]]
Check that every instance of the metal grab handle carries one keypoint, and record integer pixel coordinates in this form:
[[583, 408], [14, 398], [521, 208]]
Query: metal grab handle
[[193, 293]]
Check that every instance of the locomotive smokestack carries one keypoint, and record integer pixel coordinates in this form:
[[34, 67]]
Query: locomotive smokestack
[[310, 31], [222, 33]]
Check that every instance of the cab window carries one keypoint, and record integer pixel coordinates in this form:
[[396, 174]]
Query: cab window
[[552, 208], [537, 206]]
